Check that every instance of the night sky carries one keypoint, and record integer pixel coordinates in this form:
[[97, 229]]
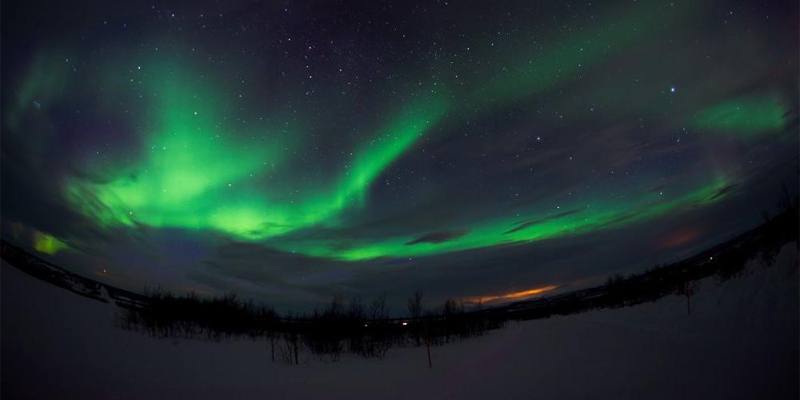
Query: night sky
[[292, 151]]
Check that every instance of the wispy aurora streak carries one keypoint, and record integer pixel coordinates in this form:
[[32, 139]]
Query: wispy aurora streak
[[745, 117], [532, 70]]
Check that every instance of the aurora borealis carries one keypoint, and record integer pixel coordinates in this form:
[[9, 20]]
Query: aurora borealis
[[294, 151]]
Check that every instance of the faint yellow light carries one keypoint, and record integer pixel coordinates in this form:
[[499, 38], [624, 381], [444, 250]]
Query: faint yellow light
[[511, 296]]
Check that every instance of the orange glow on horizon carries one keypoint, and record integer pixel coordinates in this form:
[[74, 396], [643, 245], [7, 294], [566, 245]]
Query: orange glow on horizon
[[511, 296], [681, 237]]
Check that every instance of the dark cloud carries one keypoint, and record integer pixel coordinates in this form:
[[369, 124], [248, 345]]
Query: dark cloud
[[723, 191], [438, 237], [528, 224]]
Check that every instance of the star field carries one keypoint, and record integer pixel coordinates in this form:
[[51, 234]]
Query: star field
[[296, 150]]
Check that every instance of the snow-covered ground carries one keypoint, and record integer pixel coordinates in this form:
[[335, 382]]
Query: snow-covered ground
[[740, 342]]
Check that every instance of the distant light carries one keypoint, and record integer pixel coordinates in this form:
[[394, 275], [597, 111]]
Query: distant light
[[711, 258], [672, 89], [405, 323]]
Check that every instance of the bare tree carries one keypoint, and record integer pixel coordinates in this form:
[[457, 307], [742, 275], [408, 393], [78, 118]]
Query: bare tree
[[452, 307], [688, 289], [377, 309], [272, 344], [415, 305], [428, 345], [336, 308], [356, 311]]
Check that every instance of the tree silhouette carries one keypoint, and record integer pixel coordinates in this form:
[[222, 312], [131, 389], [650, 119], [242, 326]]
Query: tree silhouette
[[415, 305], [688, 289]]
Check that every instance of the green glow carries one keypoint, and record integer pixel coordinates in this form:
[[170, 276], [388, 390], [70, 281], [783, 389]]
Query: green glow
[[198, 169], [746, 117], [189, 164], [501, 231], [48, 244], [197, 174], [326, 201]]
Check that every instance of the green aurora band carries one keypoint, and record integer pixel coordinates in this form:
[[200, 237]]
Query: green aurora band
[[198, 171]]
